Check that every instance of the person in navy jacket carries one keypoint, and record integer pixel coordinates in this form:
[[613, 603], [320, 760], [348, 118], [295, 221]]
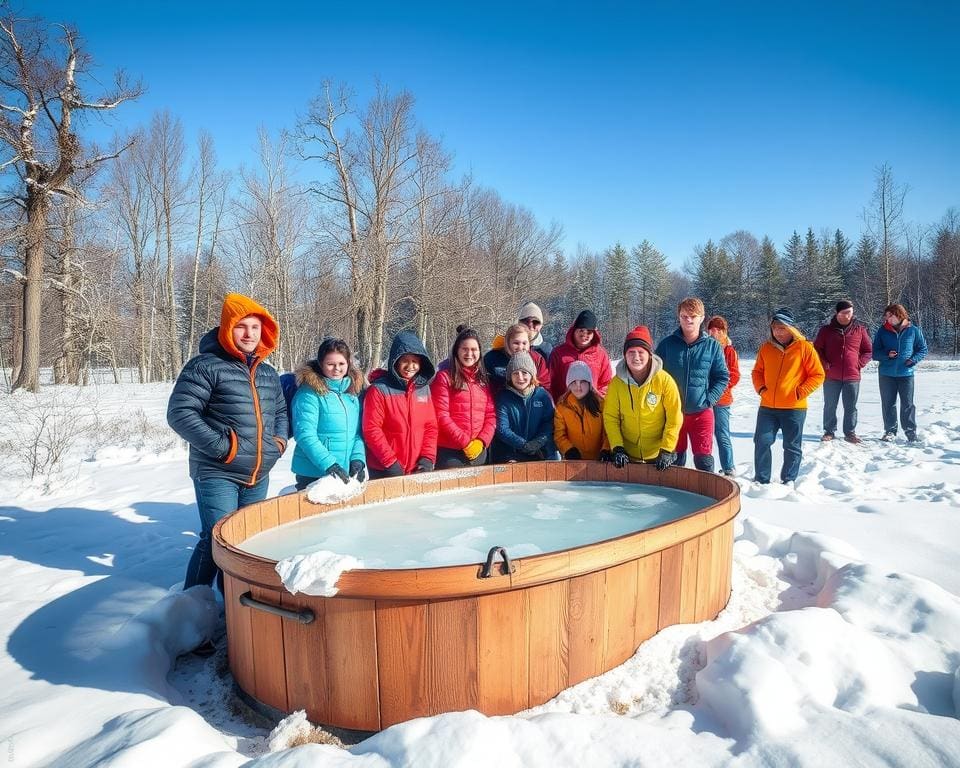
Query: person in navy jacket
[[898, 346], [524, 415]]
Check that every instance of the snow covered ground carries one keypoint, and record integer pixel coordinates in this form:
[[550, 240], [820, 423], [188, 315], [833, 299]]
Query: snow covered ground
[[840, 645]]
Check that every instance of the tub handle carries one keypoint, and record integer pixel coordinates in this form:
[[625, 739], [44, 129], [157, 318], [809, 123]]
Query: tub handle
[[506, 567], [304, 615]]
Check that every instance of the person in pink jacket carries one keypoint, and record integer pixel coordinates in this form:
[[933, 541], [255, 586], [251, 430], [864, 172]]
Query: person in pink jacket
[[461, 396], [584, 344]]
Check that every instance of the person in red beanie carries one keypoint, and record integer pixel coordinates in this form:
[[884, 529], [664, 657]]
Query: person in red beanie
[[642, 415]]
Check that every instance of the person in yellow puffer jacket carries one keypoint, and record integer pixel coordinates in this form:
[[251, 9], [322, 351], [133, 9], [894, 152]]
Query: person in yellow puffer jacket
[[787, 372], [641, 413]]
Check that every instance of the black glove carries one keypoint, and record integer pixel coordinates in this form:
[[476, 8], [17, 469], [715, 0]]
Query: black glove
[[665, 459], [530, 447], [572, 454], [358, 470], [606, 456], [335, 470], [394, 470], [620, 458], [423, 465]]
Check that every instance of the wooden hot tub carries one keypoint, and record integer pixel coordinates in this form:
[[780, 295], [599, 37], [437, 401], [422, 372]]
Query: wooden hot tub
[[398, 644]]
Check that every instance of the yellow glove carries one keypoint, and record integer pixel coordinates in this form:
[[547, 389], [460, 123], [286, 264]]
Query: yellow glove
[[473, 449]]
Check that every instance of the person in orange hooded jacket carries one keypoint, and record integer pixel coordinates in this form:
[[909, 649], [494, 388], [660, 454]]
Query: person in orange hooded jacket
[[229, 407], [787, 372], [578, 419]]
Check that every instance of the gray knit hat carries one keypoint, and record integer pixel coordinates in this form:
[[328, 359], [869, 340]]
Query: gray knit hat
[[579, 371], [521, 361]]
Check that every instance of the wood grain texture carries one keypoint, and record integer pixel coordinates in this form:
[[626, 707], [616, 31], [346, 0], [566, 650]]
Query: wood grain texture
[[547, 613], [503, 655], [671, 567]]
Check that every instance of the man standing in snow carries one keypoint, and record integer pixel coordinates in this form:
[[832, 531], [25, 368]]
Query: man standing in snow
[[695, 361], [786, 373], [844, 348], [229, 407]]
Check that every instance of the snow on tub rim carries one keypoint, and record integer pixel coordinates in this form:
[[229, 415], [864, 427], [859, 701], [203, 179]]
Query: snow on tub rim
[[396, 644]]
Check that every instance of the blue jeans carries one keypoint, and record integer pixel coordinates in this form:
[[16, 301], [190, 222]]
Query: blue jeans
[[832, 393], [892, 387], [721, 431], [769, 422], [216, 497]]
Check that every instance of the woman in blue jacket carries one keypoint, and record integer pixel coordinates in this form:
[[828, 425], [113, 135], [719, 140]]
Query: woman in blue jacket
[[326, 417], [898, 346], [524, 415]]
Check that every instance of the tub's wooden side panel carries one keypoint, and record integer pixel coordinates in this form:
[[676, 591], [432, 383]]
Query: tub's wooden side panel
[[239, 634], [705, 576], [621, 612], [288, 508], [269, 672], [647, 597], [690, 555], [305, 649], [503, 655], [452, 658], [548, 607], [586, 626], [351, 639], [671, 572], [402, 661]]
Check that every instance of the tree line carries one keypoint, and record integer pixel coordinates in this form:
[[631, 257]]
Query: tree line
[[119, 256]]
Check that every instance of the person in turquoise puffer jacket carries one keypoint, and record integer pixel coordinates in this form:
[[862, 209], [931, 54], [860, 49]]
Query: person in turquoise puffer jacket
[[326, 417], [898, 346]]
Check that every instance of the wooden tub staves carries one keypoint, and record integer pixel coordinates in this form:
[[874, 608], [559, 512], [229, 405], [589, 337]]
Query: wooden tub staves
[[398, 644]]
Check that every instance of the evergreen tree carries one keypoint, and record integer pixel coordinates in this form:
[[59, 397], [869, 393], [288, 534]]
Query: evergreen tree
[[618, 287], [651, 277], [709, 276], [793, 267], [843, 250], [864, 266]]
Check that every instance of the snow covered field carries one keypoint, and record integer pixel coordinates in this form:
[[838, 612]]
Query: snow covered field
[[840, 645]]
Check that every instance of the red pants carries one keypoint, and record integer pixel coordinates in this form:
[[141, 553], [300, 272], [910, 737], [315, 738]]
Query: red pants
[[698, 428]]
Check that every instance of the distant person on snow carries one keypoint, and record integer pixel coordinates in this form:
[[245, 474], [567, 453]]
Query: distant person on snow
[[642, 415], [899, 346], [786, 373], [228, 405], [717, 328], [696, 362], [326, 417], [844, 348], [583, 344], [399, 421]]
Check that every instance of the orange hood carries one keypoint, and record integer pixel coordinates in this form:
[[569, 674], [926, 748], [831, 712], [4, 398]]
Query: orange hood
[[236, 306]]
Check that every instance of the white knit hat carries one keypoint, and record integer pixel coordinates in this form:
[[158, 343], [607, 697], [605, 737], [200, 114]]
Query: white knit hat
[[579, 371], [530, 310]]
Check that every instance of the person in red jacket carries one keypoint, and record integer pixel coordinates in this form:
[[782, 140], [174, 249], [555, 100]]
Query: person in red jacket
[[399, 422], [516, 339], [584, 344], [466, 416], [845, 348], [718, 328]]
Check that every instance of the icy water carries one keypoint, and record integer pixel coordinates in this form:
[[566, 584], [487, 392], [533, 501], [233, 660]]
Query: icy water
[[460, 527]]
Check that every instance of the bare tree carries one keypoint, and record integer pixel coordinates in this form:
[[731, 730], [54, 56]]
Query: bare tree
[[884, 221], [40, 93]]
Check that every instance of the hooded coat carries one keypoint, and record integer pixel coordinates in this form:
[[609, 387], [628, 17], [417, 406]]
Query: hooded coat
[[909, 344], [326, 424], [399, 421], [843, 350], [698, 368], [462, 414], [785, 377], [644, 418], [228, 405], [595, 356]]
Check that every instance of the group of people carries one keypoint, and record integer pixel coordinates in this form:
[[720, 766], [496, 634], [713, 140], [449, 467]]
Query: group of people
[[520, 401]]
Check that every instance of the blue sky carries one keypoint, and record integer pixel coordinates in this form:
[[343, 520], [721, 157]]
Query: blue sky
[[672, 122]]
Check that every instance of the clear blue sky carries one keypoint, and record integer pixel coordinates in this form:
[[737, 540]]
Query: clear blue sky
[[674, 122]]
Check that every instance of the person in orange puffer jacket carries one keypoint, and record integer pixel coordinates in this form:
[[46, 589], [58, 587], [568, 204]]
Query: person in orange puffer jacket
[[718, 328], [787, 371], [578, 420]]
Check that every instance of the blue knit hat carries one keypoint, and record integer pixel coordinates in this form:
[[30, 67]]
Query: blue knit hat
[[784, 315]]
